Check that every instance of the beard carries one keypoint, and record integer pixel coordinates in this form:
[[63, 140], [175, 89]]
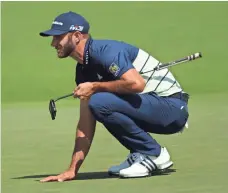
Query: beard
[[65, 50]]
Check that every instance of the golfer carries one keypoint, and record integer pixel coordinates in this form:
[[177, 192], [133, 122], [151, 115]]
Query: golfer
[[117, 86]]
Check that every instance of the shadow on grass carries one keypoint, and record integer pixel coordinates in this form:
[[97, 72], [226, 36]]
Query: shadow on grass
[[92, 175]]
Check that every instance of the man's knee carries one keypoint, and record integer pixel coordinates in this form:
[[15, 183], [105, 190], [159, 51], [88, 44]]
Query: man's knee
[[98, 101], [99, 105]]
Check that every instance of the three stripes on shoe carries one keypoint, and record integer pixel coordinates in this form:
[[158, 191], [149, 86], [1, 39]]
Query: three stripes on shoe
[[146, 162]]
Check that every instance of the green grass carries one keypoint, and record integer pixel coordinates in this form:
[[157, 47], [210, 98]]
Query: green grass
[[34, 146]]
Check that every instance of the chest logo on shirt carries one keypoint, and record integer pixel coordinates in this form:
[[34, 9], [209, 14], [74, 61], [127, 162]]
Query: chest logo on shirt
[[114, 69], [99, 76]]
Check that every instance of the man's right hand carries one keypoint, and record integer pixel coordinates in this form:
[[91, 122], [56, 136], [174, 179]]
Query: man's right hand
[[67, 175]]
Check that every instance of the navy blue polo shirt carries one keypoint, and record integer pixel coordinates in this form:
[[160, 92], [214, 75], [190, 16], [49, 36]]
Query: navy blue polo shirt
[[105, 60]]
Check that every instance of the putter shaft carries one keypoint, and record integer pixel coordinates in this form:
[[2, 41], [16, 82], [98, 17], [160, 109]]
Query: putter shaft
[[65, 96]]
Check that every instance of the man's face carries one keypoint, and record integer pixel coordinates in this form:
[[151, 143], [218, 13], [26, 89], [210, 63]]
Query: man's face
[[63, 44]]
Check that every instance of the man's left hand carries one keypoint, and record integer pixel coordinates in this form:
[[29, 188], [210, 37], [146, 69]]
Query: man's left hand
[[84, 90]]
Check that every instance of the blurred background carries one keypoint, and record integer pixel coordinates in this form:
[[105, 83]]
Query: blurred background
[[31, 70]]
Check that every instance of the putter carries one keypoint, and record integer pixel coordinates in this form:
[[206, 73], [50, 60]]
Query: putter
[[160, 66], [52, 106]]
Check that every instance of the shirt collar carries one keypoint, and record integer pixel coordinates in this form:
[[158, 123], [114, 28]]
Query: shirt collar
[[86, 55]]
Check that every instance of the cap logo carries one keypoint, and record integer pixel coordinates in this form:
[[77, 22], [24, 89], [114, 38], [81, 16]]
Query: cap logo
[[76, 27], [57, 23]]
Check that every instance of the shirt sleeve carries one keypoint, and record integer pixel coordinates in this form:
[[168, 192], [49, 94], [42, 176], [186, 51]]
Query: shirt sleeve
[[117, 65]]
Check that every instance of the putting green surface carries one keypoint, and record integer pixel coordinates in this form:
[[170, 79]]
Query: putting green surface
[[34, 146]]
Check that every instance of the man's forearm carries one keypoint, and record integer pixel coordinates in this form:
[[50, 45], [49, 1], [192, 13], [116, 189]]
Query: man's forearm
[[84, 136], [81, 149], [117, 86]]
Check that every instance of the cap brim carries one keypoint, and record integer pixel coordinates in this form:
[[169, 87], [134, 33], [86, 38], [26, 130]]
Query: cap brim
[[52, 32]]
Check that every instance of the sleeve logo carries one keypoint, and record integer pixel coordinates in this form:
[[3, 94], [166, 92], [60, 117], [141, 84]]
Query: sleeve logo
[[114, 69]]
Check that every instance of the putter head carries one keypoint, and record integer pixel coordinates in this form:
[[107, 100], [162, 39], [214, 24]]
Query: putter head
[[52, 109]]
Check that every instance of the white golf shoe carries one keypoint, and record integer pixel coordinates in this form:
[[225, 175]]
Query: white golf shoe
[[131, 158], [144, 165]]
